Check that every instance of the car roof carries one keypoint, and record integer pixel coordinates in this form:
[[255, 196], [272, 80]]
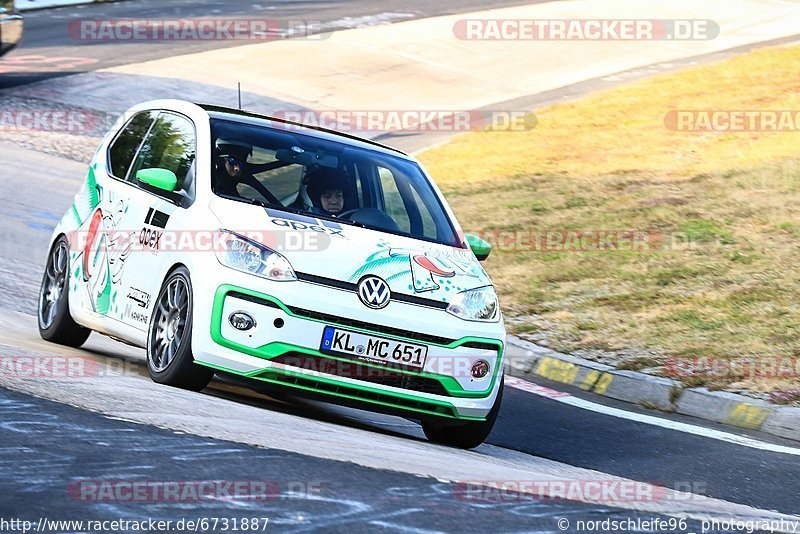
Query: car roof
[[248, 117]]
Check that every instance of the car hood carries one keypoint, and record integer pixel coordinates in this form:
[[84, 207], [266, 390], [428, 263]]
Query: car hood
[[346, 253]]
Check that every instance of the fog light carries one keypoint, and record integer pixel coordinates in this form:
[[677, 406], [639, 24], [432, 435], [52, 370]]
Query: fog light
[[241, 321], [480, 369]]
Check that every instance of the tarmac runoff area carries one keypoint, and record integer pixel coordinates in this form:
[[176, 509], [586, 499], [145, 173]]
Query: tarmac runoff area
[[433, 73]]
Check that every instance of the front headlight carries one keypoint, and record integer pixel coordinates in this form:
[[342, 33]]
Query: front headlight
[[475, 305], [242, 254]]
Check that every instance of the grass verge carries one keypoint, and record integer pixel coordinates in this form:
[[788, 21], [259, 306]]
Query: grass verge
[[714, 269]]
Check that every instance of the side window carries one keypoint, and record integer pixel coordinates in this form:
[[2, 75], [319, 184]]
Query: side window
[[403, 201], [124, 147], [428, 224], [406, 206], [392, 200], [171, 145]]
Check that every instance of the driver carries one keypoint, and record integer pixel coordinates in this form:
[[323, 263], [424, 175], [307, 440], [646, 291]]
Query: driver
[[325, 188], [233, 169]]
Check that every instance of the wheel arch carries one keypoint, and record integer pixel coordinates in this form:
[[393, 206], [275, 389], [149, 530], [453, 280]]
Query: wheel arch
[[54, 239], [174, 267]]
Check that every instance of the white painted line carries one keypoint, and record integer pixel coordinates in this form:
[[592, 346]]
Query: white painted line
[[566, 398]]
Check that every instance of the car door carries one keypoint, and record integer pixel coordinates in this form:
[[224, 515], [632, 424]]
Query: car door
[[102, 243], [154, 217]]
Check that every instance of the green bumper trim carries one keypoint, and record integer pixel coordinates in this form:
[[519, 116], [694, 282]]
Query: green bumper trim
[[275, 349], [347, 391]]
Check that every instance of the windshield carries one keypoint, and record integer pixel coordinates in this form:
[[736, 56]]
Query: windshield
[[297, 172]]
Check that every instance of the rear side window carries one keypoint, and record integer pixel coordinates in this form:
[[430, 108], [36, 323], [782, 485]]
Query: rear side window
[[124, 147]]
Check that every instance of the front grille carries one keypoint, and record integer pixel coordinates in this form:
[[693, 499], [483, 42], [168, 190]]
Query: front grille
[[323, 281], [349, 392], [358, 371], [349, 286], [256, 300]]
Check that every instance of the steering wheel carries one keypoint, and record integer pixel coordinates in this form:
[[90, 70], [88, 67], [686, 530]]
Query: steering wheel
[[372, 217], [346, 214]]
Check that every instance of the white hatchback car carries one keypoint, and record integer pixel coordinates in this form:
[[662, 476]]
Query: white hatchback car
[[311, 261]]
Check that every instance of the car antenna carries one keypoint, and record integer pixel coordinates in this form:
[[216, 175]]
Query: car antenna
[[239, 89]]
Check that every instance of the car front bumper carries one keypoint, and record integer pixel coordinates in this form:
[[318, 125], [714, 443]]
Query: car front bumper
[[289, 355], [10, 31]]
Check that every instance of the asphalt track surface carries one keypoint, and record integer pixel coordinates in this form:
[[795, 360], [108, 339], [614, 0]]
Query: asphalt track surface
[[49, 49], [299, 493], [48, 447], [528, 424]]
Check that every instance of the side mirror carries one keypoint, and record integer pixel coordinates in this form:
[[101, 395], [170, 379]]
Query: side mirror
[[479, 247], [158, 178]]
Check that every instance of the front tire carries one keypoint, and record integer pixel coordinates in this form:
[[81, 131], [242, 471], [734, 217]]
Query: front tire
[[169, 338], [465, 435], [55, 322]]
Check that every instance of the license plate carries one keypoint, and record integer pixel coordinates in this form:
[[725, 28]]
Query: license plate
[[373, 349]]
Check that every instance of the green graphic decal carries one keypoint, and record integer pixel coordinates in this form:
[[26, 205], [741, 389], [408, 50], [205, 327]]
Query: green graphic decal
[[101, 262], [427, 270], [103, 302], [87, 199]]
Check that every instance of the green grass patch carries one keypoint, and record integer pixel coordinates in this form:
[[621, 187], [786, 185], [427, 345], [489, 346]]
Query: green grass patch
[[525, 328], [718, 272]]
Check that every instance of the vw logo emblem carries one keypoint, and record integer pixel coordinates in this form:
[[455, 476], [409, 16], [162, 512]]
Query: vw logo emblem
[[374, 292]]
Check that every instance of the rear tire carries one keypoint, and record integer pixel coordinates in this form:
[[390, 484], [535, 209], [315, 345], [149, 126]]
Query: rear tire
[[55, 322], [464, 435], [169, 338]]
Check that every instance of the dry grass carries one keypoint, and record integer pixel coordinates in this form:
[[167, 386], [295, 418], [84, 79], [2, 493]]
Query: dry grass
[[727, 285]]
